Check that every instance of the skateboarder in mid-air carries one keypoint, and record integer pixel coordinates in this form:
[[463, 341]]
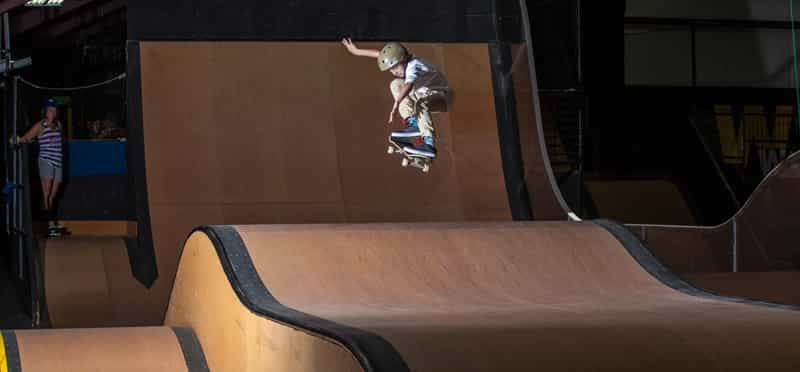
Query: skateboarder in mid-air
[[418, 89]]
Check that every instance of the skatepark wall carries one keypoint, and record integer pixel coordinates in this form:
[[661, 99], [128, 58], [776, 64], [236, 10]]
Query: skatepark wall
[[234, 120]]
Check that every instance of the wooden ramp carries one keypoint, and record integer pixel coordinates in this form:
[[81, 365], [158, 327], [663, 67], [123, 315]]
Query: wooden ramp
[[760, 237], [508, 296], [112, 349]]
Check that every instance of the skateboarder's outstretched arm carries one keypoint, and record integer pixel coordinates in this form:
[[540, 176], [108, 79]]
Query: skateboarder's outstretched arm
[[356, 51]]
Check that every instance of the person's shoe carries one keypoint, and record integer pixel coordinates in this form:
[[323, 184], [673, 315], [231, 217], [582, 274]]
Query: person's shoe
[[409, 132], [421, 150], [54, 232]]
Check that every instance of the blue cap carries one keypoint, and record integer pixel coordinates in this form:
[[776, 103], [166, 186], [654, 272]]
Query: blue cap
[[51, 102]]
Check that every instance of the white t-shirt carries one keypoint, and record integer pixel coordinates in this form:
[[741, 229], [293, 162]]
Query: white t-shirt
[[424, 76]]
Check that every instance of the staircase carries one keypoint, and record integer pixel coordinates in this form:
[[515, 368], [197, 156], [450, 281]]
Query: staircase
[[561, 126]]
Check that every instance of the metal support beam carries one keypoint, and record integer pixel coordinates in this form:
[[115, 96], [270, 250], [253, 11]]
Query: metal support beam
[[707, 23], [33, 18], [8, 5], [10, 65]]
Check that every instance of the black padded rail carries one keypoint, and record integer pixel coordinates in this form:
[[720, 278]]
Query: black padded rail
[[142, 255], [519, 200], [372, 352], [652, 265], [11, 351], [192, 350]]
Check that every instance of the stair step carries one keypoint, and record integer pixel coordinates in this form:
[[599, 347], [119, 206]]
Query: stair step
[[561, 169]]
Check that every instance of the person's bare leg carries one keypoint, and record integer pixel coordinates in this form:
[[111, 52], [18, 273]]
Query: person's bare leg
[[47, 185], [53, 193]]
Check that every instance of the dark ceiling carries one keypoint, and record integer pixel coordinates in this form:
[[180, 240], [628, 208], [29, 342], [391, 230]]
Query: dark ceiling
[[69, 24], [81, 41]]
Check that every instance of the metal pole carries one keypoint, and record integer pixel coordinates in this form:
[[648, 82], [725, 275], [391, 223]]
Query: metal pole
[[716, 164], [6, 135], [580, 163], [14, 191], [6, 37], [19, 181], [693, 32], [579, 52], [15, 97], [8, 181], [735, 250], [20, 221], [579, 34]]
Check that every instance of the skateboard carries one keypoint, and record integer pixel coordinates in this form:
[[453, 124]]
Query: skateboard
[[423, 163]]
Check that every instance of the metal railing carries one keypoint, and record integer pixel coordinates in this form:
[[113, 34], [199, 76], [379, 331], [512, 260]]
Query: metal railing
[[19, 221], [716, 160]]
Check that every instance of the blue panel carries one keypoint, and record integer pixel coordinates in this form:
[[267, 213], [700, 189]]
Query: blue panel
[[97, 158]]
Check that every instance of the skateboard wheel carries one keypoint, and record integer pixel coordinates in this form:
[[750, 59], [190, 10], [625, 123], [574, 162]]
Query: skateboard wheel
[[426, 168], [390, 150], [404, 163]]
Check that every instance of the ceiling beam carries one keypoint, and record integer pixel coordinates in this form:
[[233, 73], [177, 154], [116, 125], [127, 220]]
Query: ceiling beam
[[8, 5], [80, 20], [26, 19], [87, 26]]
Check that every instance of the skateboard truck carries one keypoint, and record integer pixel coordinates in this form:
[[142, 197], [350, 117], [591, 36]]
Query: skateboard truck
[[417, 161]]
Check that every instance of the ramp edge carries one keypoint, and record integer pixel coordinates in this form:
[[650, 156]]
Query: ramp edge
[[9, 350], [372, 352], [192, 350], [654, 267]]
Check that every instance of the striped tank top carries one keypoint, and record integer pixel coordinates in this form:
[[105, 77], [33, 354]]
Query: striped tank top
[[50, 146]]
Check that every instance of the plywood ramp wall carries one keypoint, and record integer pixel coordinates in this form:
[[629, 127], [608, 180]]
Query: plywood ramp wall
[[522, 296], [234, 337], [258, 132], [102, 349]]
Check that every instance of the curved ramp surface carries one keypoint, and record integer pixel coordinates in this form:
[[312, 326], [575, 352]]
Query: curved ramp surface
[[111, 349], [761, 236], [466, 297], [88, 283]]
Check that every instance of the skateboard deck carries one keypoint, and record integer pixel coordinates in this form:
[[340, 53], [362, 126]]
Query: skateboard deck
[[423, 163]]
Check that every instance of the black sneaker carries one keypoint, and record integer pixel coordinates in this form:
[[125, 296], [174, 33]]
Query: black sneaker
[[421, 150], [409, 132], [54, 233]]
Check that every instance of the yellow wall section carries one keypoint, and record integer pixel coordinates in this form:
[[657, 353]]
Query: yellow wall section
[[3, 361]]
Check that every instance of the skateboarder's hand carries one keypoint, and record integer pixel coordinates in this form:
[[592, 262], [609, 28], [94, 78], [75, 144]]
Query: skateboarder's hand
[[348, 43]]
